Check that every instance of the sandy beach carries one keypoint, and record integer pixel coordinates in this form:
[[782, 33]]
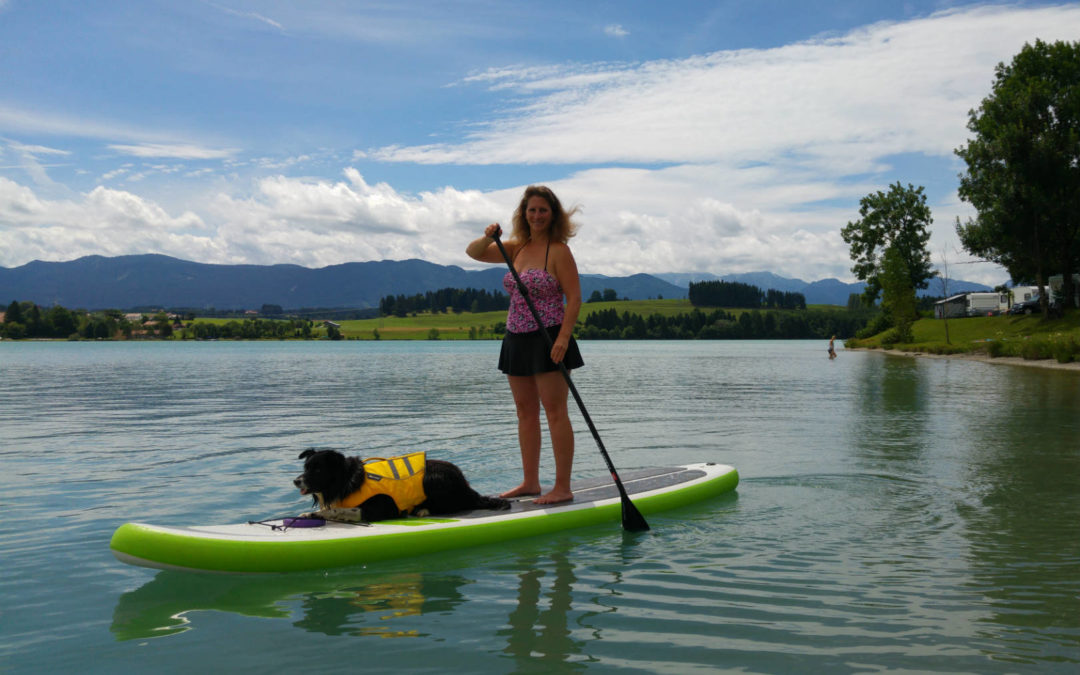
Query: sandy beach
[[1001, 360]]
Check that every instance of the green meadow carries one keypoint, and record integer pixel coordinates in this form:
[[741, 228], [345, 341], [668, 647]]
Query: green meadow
[[1029, 337], [481, 325]]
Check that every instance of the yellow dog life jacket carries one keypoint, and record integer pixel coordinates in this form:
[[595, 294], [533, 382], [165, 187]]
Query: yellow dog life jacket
[[401, 478]]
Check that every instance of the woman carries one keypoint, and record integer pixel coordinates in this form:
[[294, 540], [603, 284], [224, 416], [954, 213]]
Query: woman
[[538, 250]]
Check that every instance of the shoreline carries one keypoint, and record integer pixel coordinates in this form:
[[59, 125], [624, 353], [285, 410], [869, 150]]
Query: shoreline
[[1049, 364]]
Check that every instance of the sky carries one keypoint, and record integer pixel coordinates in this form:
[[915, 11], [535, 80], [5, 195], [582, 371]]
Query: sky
[[722, 136]]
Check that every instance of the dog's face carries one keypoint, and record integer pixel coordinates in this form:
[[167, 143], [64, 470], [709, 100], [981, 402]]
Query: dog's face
[[326, 475]]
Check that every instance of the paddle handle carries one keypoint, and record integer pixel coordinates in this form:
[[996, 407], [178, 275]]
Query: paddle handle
[[632, 519]]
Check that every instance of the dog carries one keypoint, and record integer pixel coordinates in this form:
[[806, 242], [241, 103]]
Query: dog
[[334, 481]]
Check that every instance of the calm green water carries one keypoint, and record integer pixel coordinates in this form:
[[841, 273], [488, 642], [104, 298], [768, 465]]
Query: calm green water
[[894, 514]]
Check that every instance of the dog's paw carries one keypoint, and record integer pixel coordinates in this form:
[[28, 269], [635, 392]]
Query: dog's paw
[[421, 513]]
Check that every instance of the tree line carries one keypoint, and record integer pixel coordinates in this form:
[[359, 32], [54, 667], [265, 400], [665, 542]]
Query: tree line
[[1022, 178], [27, 320], [456, 300], [744, 296], [719, 324], [250, 329], [1023, 169]]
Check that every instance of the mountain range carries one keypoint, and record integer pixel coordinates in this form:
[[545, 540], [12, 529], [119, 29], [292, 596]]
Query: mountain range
[[151, 280]]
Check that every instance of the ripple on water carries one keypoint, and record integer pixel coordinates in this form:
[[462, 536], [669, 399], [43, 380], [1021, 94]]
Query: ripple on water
[[885, 519]]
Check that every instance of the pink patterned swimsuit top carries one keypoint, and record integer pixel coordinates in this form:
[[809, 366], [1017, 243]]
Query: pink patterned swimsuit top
[[544, 291]]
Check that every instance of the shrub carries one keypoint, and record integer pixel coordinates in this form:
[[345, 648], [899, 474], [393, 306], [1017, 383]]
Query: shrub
[[944, 349], [1065, 349], [878, 324], [1035, 350], [899, 335]]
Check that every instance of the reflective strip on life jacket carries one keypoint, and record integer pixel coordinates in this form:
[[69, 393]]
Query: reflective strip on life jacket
[[400, 478]]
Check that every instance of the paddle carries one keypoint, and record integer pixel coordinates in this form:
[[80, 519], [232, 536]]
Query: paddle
[[632, 520]]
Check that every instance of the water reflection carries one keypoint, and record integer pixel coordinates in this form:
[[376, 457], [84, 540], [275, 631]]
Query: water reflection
[[161, 606], [537, 632], [379, 605], [538, 636], [891, 398], [1021, 508]]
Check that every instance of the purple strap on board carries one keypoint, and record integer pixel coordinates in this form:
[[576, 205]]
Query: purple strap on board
[[303, 522]]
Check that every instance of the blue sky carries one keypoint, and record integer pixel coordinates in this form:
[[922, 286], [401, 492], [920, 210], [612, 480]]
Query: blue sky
[[721, 137]]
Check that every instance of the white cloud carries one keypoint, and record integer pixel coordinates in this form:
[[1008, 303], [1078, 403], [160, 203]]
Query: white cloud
[[839, 103], [36, 149], [16, 119], [30, 163], [633, 221], [115, 173], [615, 30], [102, 222], [317, 223], [248, 15], [175, 151]]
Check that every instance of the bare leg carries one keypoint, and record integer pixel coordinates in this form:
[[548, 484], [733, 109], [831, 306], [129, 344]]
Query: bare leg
[[553, 391], [527, 402]]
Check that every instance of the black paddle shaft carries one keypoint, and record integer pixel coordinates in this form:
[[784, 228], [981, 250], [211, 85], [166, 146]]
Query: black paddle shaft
[[632, 520]]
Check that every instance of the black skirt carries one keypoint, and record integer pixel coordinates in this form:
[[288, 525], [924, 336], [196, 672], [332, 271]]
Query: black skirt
[[529, 353]]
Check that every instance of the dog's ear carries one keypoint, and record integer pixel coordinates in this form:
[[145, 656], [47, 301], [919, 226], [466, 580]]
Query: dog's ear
[[307, 453]]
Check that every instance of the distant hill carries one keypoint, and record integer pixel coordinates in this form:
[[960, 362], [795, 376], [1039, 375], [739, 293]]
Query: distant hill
[[96, 282], [823, 292]]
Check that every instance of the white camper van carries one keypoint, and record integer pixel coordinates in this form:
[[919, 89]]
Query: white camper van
[[1023, 293], [982, 304]]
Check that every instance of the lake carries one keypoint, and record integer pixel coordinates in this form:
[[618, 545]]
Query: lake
[[893, 513]]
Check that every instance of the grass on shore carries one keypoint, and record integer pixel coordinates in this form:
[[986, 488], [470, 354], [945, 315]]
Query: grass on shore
[[480, 325], [452, 326], [1029, 337]]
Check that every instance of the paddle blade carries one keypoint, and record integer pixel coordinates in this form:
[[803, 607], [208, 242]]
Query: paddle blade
[[632, 520]]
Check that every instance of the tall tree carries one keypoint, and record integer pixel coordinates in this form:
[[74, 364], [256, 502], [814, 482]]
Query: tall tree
[[900, 220], [14, 313], [898, 295], [1023, 167]]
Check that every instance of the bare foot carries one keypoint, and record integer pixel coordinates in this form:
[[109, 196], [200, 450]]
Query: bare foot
[[554, 497], [523, 490]]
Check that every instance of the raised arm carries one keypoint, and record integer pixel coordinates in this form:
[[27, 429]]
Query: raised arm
[[484, 248]]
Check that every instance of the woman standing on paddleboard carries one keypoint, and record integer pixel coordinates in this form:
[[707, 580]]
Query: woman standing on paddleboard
[[538, 251]]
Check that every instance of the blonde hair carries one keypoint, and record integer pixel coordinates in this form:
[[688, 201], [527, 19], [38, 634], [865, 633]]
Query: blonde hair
[[561, 228]]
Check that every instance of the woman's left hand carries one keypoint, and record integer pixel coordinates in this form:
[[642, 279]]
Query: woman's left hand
[[558, 350]]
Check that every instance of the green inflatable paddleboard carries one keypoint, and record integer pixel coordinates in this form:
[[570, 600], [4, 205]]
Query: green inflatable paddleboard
[[272, 546]]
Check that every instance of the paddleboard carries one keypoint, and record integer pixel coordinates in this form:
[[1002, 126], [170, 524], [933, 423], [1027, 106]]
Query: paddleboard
[[284, 546]]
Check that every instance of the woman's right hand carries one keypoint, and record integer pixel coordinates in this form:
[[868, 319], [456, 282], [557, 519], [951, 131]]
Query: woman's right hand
[[483, 248]]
